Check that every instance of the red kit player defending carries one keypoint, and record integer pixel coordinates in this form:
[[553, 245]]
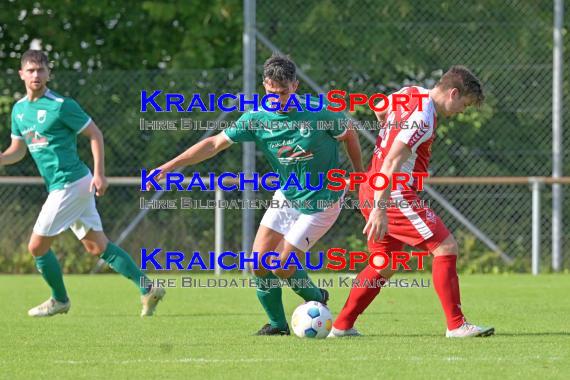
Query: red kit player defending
[[407, 150]]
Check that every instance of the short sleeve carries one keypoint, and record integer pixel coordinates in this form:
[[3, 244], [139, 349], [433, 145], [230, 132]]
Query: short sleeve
[[15, 130], [340, 122], [72, 115], [242, 132]]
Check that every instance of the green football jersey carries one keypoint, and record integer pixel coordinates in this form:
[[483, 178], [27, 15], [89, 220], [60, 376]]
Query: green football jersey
[[295, 143], [49, 126]]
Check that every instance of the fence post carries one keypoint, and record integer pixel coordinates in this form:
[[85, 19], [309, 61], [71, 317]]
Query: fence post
[[249, 42], [219, 227], [536, 185], [557, 92]]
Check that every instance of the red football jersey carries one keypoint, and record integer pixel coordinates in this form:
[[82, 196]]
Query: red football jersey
[[415, 128]]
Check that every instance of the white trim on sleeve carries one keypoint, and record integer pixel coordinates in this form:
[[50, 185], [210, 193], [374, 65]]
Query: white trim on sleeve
[[228, 138], [84, 126], [16, 137], [341, 135]]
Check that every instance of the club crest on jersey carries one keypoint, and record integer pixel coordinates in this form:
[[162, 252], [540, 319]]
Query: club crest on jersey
[[430, 216], [305, 132], [42, 116]]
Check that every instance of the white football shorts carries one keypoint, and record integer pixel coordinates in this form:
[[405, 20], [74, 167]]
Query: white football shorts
[[71, 207], [301, 230]]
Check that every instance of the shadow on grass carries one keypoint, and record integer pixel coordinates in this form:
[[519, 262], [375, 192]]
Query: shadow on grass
[[399, 335], [499, 334], [546, 333]]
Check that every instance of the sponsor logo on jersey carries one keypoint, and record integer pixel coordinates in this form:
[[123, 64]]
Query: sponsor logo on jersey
[[35, 140], [288, 155]]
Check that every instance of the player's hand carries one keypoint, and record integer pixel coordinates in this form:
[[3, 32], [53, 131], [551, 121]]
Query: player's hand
[[160, 176], [99, 183], [377, 225]]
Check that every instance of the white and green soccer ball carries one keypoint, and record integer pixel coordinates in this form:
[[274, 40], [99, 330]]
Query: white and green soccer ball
[[311, 320]]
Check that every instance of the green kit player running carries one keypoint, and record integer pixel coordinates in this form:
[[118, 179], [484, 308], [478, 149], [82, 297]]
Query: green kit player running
[[48, 124], [289, 151]]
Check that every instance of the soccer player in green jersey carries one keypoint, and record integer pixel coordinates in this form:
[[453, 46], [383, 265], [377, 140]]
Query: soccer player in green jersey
[[47, 124], [289, 151]]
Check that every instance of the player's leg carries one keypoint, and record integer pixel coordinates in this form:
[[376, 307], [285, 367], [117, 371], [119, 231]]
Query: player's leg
[[444, 248], [422, 228], [97, 244], [51, 221], [269, 295], [444, 274], [48, 265], [360, 297], [301, 236], [86, 225], [274, 225], [298, 278]]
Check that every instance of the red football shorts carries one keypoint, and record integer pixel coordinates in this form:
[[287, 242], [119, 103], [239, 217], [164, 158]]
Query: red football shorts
[[416, 227]]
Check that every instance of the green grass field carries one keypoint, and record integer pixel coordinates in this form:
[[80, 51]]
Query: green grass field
[[206, 333]]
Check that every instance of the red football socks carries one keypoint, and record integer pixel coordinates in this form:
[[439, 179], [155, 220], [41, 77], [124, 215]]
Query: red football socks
[[359, 298], [446, 284]]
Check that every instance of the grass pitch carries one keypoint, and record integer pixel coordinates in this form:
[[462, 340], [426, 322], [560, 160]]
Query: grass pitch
[[206, 333]]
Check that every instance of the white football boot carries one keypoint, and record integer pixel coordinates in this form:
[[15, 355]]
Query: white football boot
[[468, 330], [337, 333], [150, 300], [49, 308]]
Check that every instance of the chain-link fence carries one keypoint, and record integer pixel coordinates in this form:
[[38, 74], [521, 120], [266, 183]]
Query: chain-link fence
[[370, 46], [356, 46]]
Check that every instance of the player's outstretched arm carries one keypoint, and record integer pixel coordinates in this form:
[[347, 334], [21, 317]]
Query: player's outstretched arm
[[197, 153], [352, 146], [99, 182], [15, 152], [377, 224]]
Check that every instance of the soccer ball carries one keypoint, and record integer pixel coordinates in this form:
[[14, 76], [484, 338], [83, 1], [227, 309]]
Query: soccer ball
[[311, 320]]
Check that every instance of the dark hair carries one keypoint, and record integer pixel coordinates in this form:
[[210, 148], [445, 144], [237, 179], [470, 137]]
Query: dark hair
[[465, 81], [279, 68], [34, 56]]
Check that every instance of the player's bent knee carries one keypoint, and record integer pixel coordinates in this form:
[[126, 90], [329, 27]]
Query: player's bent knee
[[94, 248], [378, 262], [38, 247], [447, 248], [284, 273], [278, 272], [252, 268], [32, 248], [259, 272]]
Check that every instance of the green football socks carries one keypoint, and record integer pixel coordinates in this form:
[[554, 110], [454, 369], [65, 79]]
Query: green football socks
[[270, 297], [121, 262], [50, 269], [304, 286]]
